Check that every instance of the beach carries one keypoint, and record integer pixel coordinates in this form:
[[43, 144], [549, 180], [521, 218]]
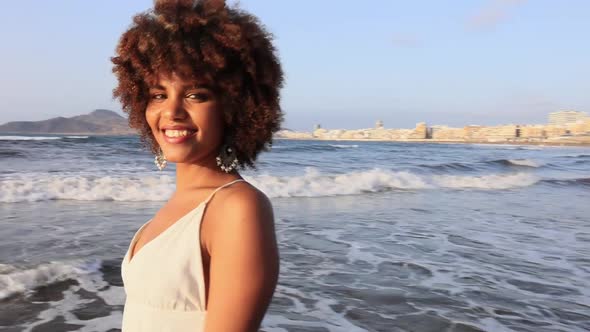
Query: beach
[[373, 235]]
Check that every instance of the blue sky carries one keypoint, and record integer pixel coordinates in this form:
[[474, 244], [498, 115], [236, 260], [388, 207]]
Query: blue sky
[[347, 63]]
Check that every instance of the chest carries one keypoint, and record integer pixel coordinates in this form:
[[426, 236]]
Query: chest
[[168, 271], [166, 220]]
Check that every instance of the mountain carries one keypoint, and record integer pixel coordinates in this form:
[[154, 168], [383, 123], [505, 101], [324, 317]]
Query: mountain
[[97, 122]]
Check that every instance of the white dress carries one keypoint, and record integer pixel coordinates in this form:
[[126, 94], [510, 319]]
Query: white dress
[[164, 280]]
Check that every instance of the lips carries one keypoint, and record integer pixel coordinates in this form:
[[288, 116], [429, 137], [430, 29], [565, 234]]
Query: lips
[[177, 134]]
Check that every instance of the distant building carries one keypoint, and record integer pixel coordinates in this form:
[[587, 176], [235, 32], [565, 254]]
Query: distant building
[[421, 131], [379, 124], [563, 118], [435, 128], [317, 126]]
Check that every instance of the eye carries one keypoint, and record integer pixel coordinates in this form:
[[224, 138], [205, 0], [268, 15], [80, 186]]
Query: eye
[[199, 96], [158, 96]]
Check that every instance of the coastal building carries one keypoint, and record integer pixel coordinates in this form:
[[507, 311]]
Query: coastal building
[[420, 132], [444, 132], [574, 130], [580, 127], [563, 118], [532, 131]]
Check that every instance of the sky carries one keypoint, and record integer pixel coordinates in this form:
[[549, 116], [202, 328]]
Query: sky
[[346, 63]]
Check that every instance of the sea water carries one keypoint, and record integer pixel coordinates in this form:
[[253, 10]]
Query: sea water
[[373, 236]]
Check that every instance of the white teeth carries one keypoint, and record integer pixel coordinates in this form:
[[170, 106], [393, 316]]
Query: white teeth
[[176, 133]]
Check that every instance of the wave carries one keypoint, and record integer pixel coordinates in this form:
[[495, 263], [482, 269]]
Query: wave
[[450, 167], [13, 154], [15, 281], [28, 138], [457, 166], [583, 156], [517, 162], [493, 181], [569, 182], [344, 146], [315, 184], [36, 138], [314, 147], [42, 187]]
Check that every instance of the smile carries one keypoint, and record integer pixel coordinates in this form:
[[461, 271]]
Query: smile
[[176, 136], [177, 133]]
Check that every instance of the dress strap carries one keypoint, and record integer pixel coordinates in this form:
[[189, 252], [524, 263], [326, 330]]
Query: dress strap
[[225, 185]]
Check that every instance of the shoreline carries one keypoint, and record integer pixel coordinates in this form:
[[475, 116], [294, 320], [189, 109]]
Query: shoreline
[[70, 134], [416, 140], [537, 143]]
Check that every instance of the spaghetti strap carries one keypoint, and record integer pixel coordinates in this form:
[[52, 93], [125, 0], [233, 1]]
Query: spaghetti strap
[[221, 187]]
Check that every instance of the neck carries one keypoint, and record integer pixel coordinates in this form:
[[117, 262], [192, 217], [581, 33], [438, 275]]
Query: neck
[[205, 174]]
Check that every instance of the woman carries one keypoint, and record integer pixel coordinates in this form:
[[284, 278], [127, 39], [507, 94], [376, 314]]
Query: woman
[[200, 82]]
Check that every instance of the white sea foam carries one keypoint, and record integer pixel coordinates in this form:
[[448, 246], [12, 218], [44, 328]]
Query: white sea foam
[[344, 146], [493, 181], [36, 138], [313, 183], [19, 281], [85, 188], [28, 138], [524, 162], [87, 276]]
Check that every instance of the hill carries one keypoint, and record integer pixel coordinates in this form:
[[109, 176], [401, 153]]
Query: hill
[[97, 122]]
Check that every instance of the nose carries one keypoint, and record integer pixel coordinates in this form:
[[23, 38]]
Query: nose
[[174, 108]]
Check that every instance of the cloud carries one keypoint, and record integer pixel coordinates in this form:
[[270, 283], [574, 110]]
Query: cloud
[[493, 13], [405, 41]]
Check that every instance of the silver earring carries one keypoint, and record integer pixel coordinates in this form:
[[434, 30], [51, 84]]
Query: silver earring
[[227, 160], [160, 160]]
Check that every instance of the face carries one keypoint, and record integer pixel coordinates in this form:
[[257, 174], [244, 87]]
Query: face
[[185, 120]]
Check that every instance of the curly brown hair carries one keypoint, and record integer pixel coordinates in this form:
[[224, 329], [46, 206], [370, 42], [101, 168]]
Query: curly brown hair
[[221, 47]]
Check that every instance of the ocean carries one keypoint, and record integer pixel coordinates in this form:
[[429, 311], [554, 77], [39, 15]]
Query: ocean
[[373, 236]]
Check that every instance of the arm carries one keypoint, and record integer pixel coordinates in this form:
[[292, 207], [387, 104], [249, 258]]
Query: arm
[[244, 264]]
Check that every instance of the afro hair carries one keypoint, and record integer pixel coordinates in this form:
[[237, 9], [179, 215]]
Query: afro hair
[[222, 47]]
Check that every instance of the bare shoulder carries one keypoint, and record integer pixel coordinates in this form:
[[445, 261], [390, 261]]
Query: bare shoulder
[[238, 208], [239, 199], [243, 196]]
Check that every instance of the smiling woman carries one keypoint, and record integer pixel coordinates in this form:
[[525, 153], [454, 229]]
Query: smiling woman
[[200, 82]]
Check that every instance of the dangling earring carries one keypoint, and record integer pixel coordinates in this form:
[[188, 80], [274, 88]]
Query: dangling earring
[[227, 160], [160, 160]]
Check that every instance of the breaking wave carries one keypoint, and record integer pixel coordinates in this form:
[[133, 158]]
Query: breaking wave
[[15, 280], [28, 138], [42, 187], [36, 138], [472, 166], [517, 162]]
